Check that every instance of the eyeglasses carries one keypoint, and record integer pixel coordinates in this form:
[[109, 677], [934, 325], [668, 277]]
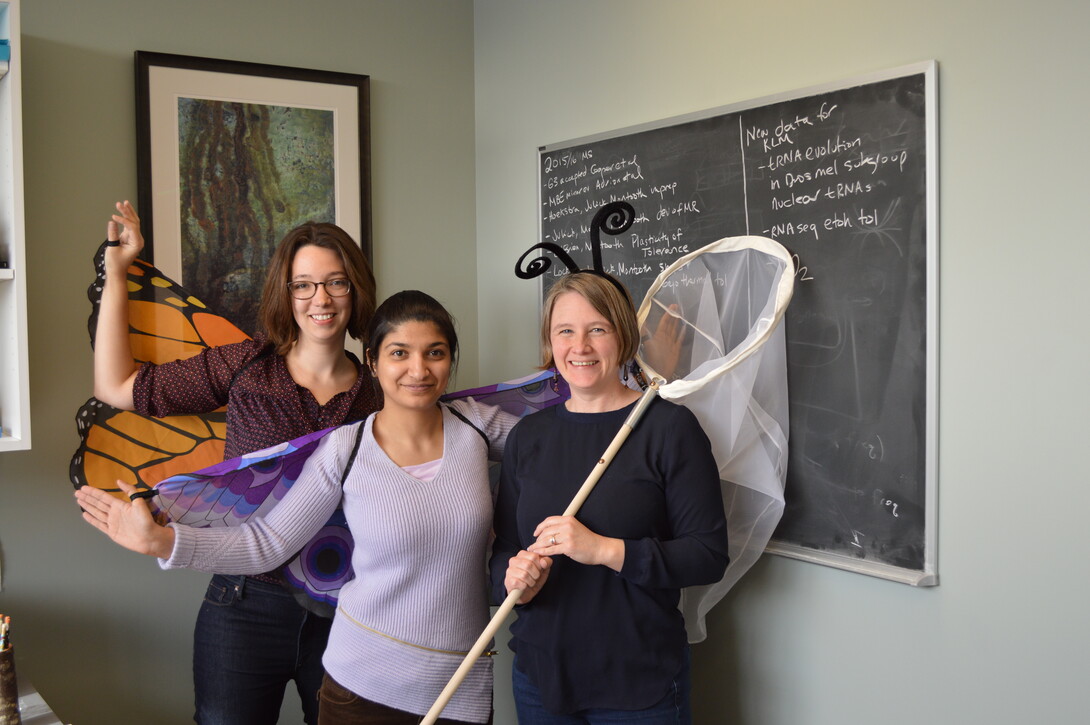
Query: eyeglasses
[[306, 290]]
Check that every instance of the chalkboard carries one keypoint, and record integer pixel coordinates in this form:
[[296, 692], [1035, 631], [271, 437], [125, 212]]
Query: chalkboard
[[844, 177]]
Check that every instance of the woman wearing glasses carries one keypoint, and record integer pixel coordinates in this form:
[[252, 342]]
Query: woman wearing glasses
[[252, 637]]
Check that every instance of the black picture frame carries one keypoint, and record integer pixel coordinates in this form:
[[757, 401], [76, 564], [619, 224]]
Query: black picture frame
[[199, 166]]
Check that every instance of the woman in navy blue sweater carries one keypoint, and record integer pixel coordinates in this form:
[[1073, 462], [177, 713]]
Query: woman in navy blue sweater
[[599, 637]]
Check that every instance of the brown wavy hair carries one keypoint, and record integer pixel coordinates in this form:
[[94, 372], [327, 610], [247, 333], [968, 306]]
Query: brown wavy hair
[[276, 314]]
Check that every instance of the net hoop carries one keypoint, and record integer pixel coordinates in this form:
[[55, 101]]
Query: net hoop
[[759, 332]]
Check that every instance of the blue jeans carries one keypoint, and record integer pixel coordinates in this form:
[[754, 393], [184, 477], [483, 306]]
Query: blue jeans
[[251, 639], [673, 709]]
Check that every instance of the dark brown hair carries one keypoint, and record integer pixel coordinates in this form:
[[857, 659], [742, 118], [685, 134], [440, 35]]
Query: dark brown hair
[[410, 306], [605, 295], [276, 312]]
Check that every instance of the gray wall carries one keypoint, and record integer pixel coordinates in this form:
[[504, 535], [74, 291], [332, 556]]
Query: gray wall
[[462, 95], [1004, 638], [102, 632]]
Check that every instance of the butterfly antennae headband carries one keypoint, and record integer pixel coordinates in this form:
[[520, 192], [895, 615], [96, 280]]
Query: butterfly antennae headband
[[613, 218]]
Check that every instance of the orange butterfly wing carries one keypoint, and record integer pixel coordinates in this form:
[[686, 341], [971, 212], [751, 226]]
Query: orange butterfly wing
[[165, 323]]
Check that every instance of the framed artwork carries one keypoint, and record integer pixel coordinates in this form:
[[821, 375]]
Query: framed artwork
[[232, 155]]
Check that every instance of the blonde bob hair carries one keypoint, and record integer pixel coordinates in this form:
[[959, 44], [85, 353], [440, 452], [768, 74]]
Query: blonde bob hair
[[608, 297]]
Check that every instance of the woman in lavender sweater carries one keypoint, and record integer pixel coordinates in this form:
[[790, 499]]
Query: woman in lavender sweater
[[252, 636], [419, 508]]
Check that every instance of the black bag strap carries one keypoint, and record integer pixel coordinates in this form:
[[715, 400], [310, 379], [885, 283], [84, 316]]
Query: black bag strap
[[355, 450], [359, 439], [264, 352], [458, 414]]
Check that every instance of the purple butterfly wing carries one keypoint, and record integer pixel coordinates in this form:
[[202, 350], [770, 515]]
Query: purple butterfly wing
[[325, 563], [521, 396], [236, 490], [232, 492]]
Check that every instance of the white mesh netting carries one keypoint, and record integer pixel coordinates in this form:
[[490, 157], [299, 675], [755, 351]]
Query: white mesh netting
[[710, 329]]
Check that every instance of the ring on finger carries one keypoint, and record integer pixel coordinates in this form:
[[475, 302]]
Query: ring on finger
[[552, 540]]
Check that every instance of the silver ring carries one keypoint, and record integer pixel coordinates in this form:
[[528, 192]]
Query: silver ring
[[552, 540]]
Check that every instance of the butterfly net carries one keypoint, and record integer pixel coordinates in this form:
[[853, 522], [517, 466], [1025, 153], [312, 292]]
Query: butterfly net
[[710, 329]]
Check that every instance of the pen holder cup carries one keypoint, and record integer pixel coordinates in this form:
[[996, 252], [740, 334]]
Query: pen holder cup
[[9, 689]]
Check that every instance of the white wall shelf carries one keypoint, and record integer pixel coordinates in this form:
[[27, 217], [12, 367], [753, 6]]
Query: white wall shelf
[[14, 360]]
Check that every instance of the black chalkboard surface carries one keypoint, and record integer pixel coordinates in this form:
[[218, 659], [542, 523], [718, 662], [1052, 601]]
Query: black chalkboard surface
[[844, 177]]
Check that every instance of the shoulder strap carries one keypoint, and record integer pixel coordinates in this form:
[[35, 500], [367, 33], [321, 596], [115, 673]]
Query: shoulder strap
[[265, 351], [355, 450], [458, 414]]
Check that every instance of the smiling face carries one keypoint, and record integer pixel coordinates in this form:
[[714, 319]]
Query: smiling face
[[322, 318], [585, 347], [412, 364]]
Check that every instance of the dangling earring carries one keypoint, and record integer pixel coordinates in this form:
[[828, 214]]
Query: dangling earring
[[625, 378], [555, 382]]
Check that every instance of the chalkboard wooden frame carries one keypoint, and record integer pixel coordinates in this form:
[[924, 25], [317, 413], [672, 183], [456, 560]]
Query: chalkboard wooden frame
[[562, 201]]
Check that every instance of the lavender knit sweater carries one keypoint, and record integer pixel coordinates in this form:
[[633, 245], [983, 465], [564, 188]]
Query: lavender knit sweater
[[419, 600]]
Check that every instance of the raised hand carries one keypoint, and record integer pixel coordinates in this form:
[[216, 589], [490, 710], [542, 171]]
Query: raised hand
[[123, 228], [662, 349]]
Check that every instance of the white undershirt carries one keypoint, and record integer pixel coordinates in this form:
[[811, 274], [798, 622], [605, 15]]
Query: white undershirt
[[424, 471]]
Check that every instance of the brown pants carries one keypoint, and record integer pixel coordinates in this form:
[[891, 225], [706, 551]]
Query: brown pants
[[337, 705]]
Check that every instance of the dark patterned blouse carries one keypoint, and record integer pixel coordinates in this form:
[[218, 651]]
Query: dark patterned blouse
[[265, 406]]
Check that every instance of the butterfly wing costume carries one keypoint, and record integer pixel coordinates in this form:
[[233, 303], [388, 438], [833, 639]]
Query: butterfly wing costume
[[168, 323]]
